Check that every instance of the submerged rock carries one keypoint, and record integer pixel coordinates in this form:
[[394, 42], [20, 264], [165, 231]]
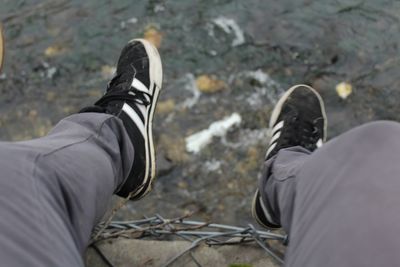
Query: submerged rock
[[210, 84]]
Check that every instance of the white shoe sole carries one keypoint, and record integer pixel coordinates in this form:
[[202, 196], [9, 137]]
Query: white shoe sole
[[255, 215], [156, 76]]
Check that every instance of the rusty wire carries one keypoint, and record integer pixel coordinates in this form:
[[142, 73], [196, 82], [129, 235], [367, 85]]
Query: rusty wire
[[196, 232]]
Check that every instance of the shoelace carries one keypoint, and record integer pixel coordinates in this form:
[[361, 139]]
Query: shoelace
[[117, 90], [129, 95]]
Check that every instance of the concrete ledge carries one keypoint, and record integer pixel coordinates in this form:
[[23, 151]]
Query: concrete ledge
[[132, 252]]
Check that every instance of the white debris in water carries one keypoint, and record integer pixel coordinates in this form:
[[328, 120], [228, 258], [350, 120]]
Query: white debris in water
[[47, 71], [3, 76], [255, 99], [210, 29], [213, 53], [190, 85], [260, 76], [212, 165], [248, 137], [199, 140], [51, 72], [158, 8], [132, 20], [267, 87], [230, 26]]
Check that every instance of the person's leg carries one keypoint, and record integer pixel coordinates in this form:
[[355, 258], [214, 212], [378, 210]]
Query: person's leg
[[55, 189], [277, 185], [347, 203], [340, 204], [299, 126]]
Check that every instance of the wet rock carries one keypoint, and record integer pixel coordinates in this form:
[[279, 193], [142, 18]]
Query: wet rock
[[164, 165], [96, 93], [344, 90], [153, 35], [32, 114], [183, 185], [210, 84], [174, 148], [55, 50], [165, 107], [250, 162], [107, 72]]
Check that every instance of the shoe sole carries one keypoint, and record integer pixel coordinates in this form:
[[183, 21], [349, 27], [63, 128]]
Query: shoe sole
[[274, 117], [255, 214], [156, 76]]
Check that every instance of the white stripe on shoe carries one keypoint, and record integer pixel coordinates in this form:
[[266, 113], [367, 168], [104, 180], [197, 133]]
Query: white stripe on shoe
[[271, 147], [140, 86], [278, 126], [135, 118], [276, 134], [275, 137]]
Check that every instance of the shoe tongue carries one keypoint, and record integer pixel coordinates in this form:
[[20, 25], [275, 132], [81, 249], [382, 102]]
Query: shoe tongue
[[121, 82]]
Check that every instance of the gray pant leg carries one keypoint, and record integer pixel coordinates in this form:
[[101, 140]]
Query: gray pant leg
[[344, 208], [53, 190]]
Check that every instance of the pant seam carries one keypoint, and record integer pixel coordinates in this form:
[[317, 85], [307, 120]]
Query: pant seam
[[78, 142]]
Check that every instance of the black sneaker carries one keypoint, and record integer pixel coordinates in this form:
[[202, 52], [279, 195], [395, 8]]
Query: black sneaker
[[298, 119], [132, 96]]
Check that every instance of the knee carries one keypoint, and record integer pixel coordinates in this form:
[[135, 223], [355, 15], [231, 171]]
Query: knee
[[378, 133], [379, 128]]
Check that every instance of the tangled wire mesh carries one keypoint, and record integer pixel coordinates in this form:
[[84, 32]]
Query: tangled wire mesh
[[195, 232]]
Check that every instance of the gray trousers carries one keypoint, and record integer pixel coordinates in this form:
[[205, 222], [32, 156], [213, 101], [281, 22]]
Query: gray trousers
[[340, 205], [54, 189]]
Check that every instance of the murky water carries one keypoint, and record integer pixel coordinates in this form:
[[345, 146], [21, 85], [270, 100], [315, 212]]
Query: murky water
[[220, 58]]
